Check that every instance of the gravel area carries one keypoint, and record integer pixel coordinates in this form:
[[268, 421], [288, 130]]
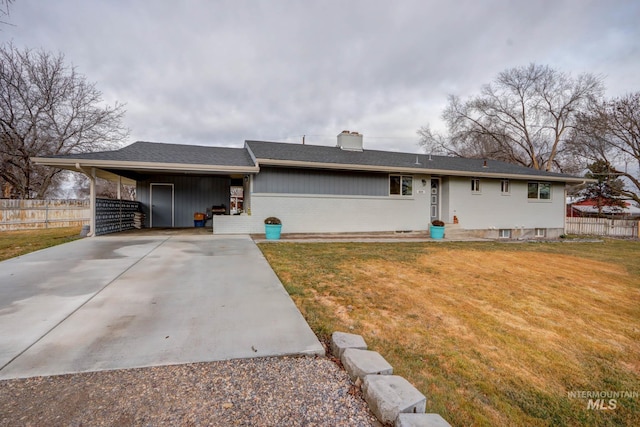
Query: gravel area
[[275, 391]]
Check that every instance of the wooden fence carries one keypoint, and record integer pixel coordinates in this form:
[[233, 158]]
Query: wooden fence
[[18, 214], [602, 227]]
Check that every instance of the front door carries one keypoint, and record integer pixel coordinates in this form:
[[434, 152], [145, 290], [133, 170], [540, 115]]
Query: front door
[[161, 205], [435, 199]]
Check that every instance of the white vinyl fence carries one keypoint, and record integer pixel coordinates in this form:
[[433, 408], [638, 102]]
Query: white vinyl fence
[[602, 227], [18, 214]]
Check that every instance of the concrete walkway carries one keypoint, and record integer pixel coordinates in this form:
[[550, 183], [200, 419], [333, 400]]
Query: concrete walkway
[[126, 301], [380, 237]]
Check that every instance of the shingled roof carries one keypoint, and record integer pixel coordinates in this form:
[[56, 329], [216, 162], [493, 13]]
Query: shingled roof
[[155, 152], [141, 156], [285, 154]]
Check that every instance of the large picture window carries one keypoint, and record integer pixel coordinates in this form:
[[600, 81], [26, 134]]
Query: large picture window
[[539, 191], [400, 185]]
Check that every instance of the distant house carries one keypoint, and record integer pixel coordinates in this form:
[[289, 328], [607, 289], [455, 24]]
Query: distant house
[[322, 189], [589, 208]]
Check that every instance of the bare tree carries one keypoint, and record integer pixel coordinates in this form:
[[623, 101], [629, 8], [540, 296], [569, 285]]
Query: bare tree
[[105, 189], [610, 132], [4, 10], [524, 117], [47, 108]]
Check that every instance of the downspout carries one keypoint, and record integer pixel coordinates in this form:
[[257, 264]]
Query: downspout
[[92, 198]]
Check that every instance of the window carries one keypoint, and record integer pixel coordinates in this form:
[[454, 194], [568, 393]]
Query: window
[[475, 185], [504, 233], [541, 232], [504, 186], [539, 190], [400, 185]]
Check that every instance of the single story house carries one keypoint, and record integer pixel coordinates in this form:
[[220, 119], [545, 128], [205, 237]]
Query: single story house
[[324, 189]]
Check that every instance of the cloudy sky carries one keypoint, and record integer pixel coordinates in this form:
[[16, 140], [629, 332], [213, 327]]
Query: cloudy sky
[[214, 72]]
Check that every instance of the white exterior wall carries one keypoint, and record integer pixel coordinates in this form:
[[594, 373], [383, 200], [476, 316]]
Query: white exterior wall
[[313, 213], [483, 214], [342, 214], [492, 210]]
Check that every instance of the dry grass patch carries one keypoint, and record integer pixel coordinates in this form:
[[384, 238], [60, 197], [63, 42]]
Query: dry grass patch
[[492, 334], [16, 243]]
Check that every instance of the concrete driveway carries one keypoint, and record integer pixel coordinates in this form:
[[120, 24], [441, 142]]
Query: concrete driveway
[[127, 301]]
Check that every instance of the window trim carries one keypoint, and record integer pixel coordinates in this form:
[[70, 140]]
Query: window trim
[[476, 188], [540, 233], [402, 187], [502, 231], [538, 185], [504, 183]]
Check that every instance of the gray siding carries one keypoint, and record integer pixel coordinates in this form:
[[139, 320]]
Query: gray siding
[[312, 181], [191, 194], [445, 214]]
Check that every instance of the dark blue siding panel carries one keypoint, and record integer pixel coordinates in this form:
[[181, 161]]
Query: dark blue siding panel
[[191, 194], [311, 181]]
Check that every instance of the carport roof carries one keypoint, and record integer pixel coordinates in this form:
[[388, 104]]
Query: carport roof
[[145, 157], [154, 152]]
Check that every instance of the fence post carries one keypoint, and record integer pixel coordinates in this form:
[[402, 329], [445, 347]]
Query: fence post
[[46, 213]]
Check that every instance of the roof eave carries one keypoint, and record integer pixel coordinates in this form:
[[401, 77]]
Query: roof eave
[[426, 171], [151, 166]]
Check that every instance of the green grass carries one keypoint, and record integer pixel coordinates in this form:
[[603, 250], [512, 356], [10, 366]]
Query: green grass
[[16, 243], [491, 333]]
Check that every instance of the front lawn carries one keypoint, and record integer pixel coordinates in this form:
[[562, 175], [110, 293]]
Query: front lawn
[[15, 243], [492, 333]]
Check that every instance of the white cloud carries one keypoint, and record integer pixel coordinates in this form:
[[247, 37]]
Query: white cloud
[[219, 72]]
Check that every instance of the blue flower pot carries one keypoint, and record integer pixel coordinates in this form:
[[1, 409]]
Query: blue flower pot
[[436, 232], [273, 231]]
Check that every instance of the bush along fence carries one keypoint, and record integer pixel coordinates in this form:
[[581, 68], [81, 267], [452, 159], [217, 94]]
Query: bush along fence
[[114, 215], [603, 227], [21, 214]]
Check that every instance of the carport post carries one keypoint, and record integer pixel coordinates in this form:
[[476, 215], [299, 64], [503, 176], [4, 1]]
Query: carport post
[[92, 199], [92, 195]]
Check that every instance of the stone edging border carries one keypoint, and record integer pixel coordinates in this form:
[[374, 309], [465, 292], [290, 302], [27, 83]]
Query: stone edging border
[[391, 398]]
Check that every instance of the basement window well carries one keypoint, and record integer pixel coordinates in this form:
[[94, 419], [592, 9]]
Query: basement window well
[[504, 233]]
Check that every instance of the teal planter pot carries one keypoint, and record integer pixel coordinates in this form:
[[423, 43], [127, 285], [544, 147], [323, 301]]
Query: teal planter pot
[[436, 232], [272, 231]]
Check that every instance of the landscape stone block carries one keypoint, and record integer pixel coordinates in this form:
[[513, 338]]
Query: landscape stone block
[[340, 341], [421, 420], [360, 363], [390, 395]]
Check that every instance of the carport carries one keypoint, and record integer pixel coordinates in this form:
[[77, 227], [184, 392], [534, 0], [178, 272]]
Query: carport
[[172, 181], [126, 301]]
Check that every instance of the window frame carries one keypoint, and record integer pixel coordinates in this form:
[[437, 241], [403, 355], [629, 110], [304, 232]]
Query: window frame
[[502, 231], [402, 185], [505, 187], [539, 185], [540, 233], [476, 188]]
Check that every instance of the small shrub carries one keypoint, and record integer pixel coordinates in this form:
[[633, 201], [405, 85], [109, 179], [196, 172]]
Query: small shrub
[[272, 220]]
